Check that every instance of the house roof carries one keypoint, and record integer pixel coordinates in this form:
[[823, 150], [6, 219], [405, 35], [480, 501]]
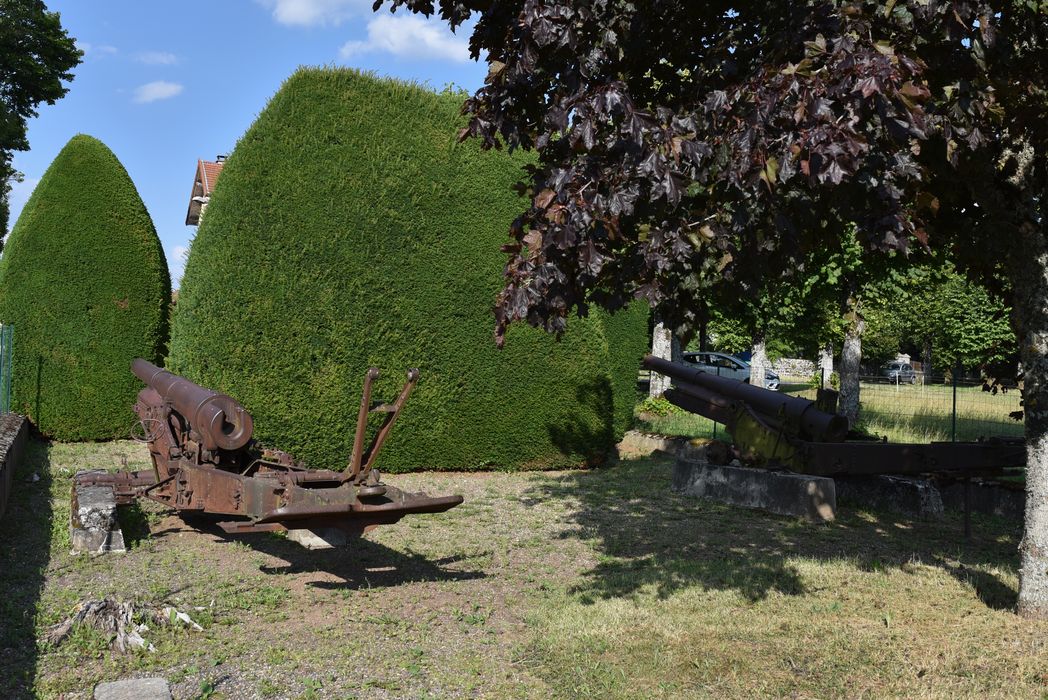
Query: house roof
[[207, 173]]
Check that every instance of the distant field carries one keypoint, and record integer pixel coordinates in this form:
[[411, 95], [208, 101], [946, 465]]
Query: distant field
[[902, 413]]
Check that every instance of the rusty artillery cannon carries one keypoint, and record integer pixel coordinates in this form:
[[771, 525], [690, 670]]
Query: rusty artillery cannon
[[775, 430], [205, 461]]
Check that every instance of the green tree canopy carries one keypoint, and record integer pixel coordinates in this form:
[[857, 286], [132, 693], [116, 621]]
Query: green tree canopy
[[36, 55], [84, 280]]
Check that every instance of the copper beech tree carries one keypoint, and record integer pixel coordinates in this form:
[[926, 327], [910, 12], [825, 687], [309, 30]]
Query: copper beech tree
[[682, 145]]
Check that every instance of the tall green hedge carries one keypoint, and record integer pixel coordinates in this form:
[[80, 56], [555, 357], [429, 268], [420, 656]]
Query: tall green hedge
[[350, 229], [84, 280]]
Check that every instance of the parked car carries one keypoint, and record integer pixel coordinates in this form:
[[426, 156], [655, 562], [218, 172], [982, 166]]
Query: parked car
[[728, 366], [899, 373]]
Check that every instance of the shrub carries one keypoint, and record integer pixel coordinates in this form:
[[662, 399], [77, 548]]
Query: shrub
[[350, 229], [84, 280]]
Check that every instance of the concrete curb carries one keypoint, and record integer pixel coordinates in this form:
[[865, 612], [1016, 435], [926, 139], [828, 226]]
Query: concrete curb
[[14, 432]]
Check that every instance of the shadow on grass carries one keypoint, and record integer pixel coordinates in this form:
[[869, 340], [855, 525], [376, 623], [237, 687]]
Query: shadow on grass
[[362, 563], [25, 550], [648, 537]]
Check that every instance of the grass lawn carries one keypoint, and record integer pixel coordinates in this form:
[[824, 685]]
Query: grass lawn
[[563, 584], [905, 413]]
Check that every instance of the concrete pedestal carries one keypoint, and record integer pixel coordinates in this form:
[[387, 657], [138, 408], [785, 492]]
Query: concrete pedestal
[[93, 527], [783, 493]]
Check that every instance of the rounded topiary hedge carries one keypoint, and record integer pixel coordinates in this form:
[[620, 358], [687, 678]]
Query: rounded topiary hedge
[[350, 229], [84, 280]]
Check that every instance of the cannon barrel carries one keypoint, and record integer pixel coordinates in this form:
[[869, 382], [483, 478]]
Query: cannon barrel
[[219, 420], [800, 416]]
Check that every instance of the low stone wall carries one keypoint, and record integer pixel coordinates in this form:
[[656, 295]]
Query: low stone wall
[[793, 367], [14, 432]]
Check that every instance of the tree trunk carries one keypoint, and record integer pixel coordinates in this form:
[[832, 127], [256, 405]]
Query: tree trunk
[[758, 362], [1029, 272], [665, 345], [851, 355], [825, 368]]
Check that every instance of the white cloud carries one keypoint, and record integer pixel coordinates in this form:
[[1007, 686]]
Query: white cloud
[[157, 90], [156, 58], [96, 50], [409, 36], [176, 263], [309, 13]]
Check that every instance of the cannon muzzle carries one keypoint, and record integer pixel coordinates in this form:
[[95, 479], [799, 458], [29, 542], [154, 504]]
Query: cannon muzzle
[[219, 420]]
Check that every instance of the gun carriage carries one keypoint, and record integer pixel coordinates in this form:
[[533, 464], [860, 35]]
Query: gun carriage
[[206, 461], [775, 430]]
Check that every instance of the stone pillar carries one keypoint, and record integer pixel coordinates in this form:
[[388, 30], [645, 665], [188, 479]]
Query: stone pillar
[[93, 528], [666, 346], [825, 366]]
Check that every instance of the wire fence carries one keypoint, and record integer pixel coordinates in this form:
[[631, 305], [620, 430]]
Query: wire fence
[[909, 409], [7, 341]]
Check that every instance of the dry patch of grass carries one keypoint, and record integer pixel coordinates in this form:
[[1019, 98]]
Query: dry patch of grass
[[570, 584]]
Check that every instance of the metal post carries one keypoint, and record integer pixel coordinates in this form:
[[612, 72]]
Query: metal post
[[967, 479], [715, 422]]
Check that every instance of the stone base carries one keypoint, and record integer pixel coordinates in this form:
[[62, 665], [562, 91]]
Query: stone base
[[14, 431], [783, 493], [917, 498], [92, 520], [136, 689], [988, 498], [327, 538]]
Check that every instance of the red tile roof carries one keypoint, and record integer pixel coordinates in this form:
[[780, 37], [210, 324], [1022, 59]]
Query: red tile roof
[[210, 172], [207, 173]]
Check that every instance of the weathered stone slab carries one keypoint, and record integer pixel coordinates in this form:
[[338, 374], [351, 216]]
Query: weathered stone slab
[[93, 527], [135, 689], [917, 498], [326, 538], [783, 493], [14, 432]]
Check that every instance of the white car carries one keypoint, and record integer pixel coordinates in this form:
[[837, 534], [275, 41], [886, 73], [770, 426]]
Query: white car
[[728, 366]]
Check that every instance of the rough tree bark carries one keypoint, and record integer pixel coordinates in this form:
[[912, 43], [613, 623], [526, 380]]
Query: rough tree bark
[[665, 345], [851, 355], [758, 361], [1030, 317]]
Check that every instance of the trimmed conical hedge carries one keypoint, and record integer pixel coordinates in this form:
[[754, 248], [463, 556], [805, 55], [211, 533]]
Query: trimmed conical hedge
[[84, 280], [350, 229]]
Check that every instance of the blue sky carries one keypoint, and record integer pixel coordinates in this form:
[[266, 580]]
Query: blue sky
[[165, 83]]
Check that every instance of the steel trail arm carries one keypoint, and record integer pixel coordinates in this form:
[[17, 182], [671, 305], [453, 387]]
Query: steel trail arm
[[360, 461]]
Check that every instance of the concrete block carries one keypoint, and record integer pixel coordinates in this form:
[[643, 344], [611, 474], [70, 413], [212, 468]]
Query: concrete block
[[92, 520], [326, 538], [917, 498], [783, 493], [135, 689]]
